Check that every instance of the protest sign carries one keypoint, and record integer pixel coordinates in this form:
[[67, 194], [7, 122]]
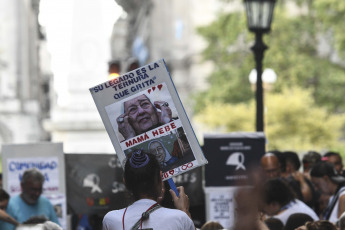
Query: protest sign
[[97, 189], [220, 206], [141, 110], [47, 165], [46, 157], [231, 157]]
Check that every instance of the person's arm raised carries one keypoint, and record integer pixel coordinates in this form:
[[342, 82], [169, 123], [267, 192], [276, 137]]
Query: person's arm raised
[[181, 202]]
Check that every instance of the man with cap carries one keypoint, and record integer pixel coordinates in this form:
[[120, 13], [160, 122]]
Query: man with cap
[[326, 179]]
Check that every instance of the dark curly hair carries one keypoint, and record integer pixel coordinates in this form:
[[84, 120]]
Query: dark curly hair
[[320, 225], [143, 181], [277, 190]]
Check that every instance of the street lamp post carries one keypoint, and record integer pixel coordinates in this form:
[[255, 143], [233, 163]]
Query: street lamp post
[[259, 18]]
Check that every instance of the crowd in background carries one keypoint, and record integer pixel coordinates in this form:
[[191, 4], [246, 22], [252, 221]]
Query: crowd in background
[[288, 193], [293, 193]]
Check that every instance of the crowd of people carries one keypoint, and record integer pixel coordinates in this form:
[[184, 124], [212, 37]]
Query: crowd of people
[[287, 193], [301, 194], [292, 194], [283, 197]]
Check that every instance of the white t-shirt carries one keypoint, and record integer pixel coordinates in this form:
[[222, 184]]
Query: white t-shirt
[[162, 218], [293, 207], [334, 214]]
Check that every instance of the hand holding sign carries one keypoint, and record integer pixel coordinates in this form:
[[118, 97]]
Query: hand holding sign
[[181, 202], [173, 186]]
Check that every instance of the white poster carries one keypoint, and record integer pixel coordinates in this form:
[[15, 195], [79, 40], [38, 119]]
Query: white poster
[[220, 205], [59, 203], [45, 156], [141, 110], [49, 166]]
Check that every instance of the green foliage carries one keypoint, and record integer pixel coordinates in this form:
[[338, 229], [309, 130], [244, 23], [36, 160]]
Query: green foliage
[[293, 121], [292, 54], [305, 109], [233, 62], [228, 117], [332, 14]]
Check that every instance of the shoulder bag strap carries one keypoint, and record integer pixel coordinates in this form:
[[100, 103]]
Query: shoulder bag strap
[[145, 216], [330, 208]]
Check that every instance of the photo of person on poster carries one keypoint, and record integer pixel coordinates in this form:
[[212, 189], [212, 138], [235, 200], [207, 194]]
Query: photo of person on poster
[[163, 156], [141, 106], [141, 115], [142, 112], [171, 150]]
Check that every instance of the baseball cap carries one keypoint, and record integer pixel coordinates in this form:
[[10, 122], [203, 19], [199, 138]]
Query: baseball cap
[[323, 168]]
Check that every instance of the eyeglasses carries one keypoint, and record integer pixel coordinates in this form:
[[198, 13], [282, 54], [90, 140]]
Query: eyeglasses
[[133, 109]]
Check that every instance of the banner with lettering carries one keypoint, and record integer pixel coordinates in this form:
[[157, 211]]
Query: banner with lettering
[[49, 159], [49, 167], [97, 189], [231, 157], [141, 110]]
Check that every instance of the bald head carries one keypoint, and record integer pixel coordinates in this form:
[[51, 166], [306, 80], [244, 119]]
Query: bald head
[[270, 164]]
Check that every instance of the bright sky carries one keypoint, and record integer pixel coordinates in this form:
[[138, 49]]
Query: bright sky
[[56, 16]]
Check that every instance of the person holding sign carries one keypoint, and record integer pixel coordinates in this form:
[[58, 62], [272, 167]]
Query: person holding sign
[[30, 203], [141, 115], [143, 178]]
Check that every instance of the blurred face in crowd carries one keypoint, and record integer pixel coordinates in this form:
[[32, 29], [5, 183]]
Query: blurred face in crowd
[[3, 204], [270, 209], [31, 191], [271, 166], [322, 184], [337, 162], [141, 113]]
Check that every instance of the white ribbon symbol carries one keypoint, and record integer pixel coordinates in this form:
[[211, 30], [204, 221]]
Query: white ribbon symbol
[[92, 181], [236, 159]]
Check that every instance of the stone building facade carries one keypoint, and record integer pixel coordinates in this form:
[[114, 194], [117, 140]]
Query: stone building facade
[[24, 74]]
